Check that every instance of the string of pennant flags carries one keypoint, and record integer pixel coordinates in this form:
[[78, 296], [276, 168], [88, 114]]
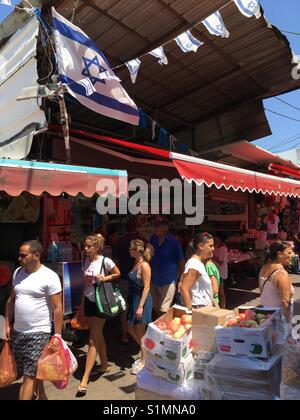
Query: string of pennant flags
[[186, 41]]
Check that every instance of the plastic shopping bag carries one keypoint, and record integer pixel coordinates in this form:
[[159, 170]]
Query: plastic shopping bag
[[78, 322], [53, 367], [8, 368]]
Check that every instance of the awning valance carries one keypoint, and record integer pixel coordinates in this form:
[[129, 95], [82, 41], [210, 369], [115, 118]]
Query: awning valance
[[199, 170], [219, 175], [17, 176]]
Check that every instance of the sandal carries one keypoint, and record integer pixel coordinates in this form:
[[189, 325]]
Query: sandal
[[82, 390]]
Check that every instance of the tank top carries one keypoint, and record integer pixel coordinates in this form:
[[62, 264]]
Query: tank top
[[270, 295]]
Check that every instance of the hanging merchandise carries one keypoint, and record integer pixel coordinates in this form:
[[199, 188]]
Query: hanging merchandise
[[163, 138], [79, 57], [160, 54], [188, 43], [215, 25], [133, 67], [249, 8], [154, 123], [143, 119]]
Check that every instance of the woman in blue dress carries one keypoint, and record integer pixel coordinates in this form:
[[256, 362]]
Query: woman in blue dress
[[139, 297]]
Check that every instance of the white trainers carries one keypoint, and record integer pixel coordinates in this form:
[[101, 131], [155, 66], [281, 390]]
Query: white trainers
[[136, 367]]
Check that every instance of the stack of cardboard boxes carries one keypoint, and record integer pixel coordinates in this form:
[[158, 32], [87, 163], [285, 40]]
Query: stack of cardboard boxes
[[244, 367], [169, 367]]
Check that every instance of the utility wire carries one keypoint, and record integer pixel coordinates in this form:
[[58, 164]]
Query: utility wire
[[288, 104], [290, 32], [282, 115]]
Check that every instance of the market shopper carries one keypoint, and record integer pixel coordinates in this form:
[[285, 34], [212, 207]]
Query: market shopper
[[92, 266], [36, 293], [274, 281], [214, 275], [196, 288], [167, 265], [125, 263], [139, 297], [221, 259]]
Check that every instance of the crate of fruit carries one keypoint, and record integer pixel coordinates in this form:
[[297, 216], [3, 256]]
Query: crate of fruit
[[170, 337], [252, 333]]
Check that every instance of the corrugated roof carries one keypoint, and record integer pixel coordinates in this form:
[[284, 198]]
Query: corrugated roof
[[207, 99]]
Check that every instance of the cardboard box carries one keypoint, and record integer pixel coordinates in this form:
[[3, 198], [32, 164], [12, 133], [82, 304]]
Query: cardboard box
[[251, 342], [168, 371], [203, 327], [166, 347]]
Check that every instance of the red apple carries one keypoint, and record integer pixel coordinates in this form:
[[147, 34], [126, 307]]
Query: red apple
[[250, 315], [242, 317]]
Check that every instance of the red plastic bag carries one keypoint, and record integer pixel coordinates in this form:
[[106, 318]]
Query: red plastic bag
[[8, 368], [52, 366]]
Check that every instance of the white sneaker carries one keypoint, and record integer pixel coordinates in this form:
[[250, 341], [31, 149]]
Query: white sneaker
[[136, 367]]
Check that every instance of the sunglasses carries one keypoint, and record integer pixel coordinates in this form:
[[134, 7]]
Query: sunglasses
[[24, 255]]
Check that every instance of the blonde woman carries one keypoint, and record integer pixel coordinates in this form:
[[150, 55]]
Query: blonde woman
[[93, 274], [139, 297]]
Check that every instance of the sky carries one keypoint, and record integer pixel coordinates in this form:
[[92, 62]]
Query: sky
[[286, 133]]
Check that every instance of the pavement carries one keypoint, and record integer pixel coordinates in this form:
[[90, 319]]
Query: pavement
[[119, 384]]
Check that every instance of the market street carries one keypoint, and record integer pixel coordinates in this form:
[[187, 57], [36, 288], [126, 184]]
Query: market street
[[119, 384]]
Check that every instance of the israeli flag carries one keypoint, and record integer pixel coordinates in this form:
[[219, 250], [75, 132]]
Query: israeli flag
[[133, 67], [188, 43], [215, 25], [249, 8], [160, 54], [85, 71], [7, 2]]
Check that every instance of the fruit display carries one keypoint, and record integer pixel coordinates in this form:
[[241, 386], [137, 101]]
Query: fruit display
[[249, 319], [22, 208], [177, 327]]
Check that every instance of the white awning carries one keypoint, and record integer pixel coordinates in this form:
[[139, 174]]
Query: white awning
[[18, 69]]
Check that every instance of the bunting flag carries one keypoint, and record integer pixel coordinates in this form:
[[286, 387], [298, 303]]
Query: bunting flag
[[188, 43], [7, 2], [79, 59], [107, 75], [160, 54], [249, 8], [133, 67], [215, 25]]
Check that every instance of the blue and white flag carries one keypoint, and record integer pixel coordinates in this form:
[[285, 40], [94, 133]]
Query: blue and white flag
[[187, 42], [215, 25], [249, 8], [7, 2], [160, 54], [81, 66], [133, 67]]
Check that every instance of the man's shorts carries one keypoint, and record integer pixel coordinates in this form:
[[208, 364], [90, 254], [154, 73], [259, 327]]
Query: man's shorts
[[27, 349], [163, 296]]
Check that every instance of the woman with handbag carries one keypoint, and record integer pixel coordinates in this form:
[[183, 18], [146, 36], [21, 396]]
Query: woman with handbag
[[96, 268], [139, 297]]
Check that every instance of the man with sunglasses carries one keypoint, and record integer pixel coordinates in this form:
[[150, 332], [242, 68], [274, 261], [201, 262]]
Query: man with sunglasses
[[36, 295]]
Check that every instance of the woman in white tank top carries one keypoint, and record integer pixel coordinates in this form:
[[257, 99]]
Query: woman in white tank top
[[274, 281]]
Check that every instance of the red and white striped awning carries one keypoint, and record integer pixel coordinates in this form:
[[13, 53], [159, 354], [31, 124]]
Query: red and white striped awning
[[198, 170], [225, 176]]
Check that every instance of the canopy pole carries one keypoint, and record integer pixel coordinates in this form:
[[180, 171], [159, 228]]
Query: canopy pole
[[64, 118]]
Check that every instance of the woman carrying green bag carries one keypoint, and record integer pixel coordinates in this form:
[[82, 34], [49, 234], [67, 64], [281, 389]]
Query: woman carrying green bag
[[91, 273]]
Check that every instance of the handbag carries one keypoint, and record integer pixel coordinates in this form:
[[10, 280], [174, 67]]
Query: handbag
[[109, 301]]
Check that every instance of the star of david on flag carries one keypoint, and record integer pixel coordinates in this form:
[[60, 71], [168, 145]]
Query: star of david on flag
[[215, 25], [85, 71], [249, 8]]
